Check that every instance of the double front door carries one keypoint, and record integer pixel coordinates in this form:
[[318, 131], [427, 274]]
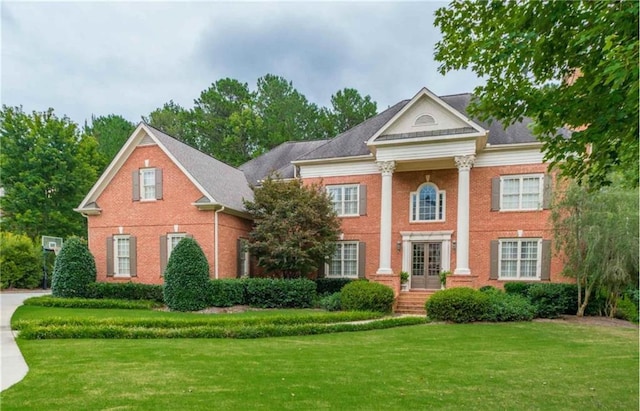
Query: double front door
[[426, 264]]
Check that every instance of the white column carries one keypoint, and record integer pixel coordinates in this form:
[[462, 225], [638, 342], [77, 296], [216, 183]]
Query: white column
[[386, 169], [464, 164]]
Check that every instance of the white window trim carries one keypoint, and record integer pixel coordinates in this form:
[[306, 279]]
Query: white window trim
[[170, 237], [540, 177], [439, 193], [518, 277], [342, 188], [142, 186], [116, 266], [327, 268]]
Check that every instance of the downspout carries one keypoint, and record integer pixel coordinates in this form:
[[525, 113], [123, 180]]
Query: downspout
[[215, 245]]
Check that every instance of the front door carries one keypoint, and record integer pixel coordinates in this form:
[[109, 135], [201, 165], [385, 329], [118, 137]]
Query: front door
[[426, 265]]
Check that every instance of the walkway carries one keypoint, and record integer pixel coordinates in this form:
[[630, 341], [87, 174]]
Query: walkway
[[13, 368]]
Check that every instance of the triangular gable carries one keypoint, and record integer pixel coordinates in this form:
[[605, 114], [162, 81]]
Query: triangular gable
[[426, 116], [143, 135]]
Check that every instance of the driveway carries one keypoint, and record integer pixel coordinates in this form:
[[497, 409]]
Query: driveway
[[13, 368]]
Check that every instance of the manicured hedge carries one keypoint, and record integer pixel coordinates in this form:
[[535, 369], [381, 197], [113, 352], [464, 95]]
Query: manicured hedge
[[458, 305], [225, 293], [366, 296], [507, 307], [279, 293], [49, 301], [126, 291], [74, 269], [331, 285], [34, 332]]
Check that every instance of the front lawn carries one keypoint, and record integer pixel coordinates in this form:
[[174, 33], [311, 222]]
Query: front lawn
[[516, 366]]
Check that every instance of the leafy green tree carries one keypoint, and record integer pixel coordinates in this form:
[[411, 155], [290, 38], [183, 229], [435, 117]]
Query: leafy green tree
[[186, 278], [597, 233], [48, 166], [20, 260], [561, 63], [111, 132], [176, 121], [295, 227], [74, 269], [349, 109]]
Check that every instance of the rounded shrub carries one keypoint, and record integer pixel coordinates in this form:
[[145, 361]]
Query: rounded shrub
[[627, 310], [331, 302], [458, 305], [186, 278], [508, 307], [366, 296], [550, 300], [74, 270], [20, 261]]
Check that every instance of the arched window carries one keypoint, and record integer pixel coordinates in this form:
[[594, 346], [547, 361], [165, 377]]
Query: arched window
[[425, 120], [427, 203]]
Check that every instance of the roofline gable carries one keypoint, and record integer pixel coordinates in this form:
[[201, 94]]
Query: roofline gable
[[422, 93], [123, 155]]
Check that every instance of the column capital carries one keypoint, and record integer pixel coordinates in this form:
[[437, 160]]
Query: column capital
[[464, 163], [386, 167]]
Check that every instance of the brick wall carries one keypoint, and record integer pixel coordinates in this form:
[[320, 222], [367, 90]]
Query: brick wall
[[148, 220]]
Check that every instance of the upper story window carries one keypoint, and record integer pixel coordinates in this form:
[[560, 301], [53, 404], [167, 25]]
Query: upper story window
[[347, 199], [520, 259], [147, 184], [521, 192], [428, 203]]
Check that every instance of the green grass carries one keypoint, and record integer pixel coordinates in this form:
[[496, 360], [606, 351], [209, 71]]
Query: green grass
[[518, 366]]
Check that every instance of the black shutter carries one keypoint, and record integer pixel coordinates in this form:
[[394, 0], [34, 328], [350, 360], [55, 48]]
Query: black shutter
[[545, 266], [240, 254], [163, 254], [135, 182], [493, 270], [158, 184], [133, 257], [547, 191], [362, 259], [495, 194], [110, 270], [363, 199]]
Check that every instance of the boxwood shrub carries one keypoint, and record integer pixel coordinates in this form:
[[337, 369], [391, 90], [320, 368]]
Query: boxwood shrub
[[366, 296], [186, 278], [126, 291], [74, 269], [508, 307], [458, 305], [550, 300], [279, 293], [331, 285], [225, 293], [517, 288], [331, 302]]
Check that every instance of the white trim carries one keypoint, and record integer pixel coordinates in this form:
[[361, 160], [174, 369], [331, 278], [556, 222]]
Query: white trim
[[540, 177], [362, 157], [518, 260], [339, 169], [116, 266], [409, 237], [342, 188], [424, 92], [141, 174], [327, 268], [525, 155], [433, 150], [170, 237]]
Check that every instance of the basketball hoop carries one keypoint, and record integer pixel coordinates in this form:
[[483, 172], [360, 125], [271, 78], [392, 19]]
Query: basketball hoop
[[51, 243]]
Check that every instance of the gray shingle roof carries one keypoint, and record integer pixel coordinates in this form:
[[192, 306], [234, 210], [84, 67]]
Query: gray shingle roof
[[227, 185], [278, 160]]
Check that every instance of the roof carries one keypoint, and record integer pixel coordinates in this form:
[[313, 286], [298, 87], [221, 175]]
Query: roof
[[278, 160], [228, 191]]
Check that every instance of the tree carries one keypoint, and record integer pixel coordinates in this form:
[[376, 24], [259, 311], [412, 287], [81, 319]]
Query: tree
[[111, 132], [349, 109], [186, 278], [74, 269], [21, 261], [48, 166], [597, 233], [561, 63], [295, 227], [176, 121]]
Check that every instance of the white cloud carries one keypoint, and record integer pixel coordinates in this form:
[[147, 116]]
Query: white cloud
[[130, 58]]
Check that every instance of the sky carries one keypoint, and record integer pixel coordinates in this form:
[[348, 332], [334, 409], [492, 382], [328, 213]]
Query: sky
[[129, 58]]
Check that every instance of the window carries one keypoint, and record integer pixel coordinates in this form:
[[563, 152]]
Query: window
[[427, 203], [522, 192], [520, 259], [122, 255], [147, 184], [345, 261], [346, 199], [172, 242], [425, 120]]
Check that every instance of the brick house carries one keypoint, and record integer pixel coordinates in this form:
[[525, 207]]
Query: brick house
[[420, 188]]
